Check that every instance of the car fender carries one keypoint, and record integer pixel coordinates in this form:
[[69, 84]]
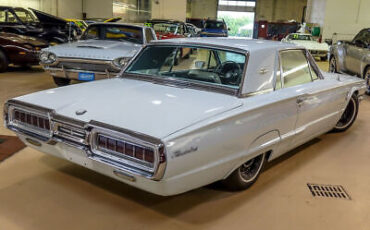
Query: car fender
[[267, 142]]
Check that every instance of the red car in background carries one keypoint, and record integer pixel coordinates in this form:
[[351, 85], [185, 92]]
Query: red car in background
[[168, 30]]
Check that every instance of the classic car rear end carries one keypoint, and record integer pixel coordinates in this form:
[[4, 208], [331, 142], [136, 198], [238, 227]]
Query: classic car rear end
[[168, 128]]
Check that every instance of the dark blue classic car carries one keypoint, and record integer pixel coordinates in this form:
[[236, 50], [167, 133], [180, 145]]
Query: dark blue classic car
[[214, 28]]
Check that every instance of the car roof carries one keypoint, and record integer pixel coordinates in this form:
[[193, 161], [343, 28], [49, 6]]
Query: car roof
[[240, 43]]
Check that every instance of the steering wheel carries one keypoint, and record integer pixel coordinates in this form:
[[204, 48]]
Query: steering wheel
[[230, 72]]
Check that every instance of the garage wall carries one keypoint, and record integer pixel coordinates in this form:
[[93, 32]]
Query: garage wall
[[280, 10], [61, 8], [202, 9], [169, 9], [316, 11], [98, 8], [345, 18]]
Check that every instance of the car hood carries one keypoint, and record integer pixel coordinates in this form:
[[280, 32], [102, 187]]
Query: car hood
[[312, 45], [139, 106], [96, 49], [21, 39]]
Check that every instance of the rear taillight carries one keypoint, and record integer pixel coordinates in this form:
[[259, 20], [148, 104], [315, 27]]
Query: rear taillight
[[125, 149], [31, 120]]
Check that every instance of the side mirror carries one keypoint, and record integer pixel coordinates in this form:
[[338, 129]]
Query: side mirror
[[200, 64]]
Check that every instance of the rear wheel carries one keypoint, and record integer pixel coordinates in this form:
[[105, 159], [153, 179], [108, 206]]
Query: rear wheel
[[244, 176], [333, 65], [3, 62], [61, 81], [367, 79], [349, 115]]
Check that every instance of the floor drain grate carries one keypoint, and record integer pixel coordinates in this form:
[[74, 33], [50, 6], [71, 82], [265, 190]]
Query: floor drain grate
[[334, 191]]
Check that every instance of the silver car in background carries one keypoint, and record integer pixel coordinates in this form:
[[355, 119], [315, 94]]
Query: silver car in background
[[352, 57], [102, 51]]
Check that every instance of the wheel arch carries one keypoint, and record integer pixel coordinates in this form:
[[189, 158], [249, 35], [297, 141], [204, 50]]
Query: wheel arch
[[263, 144]]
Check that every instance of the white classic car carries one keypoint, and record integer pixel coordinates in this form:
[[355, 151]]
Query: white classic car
[[169, 126], [316, 48], [102, 51]]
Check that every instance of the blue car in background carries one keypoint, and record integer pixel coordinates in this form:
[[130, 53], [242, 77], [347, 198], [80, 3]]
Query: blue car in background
[[214, 28]]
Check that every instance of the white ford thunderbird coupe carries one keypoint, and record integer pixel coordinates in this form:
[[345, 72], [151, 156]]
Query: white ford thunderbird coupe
[[170, 124]]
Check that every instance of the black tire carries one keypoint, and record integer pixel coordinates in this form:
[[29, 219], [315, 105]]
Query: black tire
[[333, 65], [245, 176], [367, 79], [61, 81], [3, 62], [349, 115]]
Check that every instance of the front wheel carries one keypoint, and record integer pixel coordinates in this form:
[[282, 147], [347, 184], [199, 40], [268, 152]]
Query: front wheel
[[349, 115], [244, 176], [61, 81]]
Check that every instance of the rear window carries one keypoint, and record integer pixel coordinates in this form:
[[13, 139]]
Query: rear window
[[215, 25]]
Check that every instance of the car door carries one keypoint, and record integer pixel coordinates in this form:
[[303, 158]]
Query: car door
[[356, 50], [319, 101]]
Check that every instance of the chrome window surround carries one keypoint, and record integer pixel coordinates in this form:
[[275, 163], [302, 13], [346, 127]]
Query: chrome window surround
[[88, 144], [182, 83]]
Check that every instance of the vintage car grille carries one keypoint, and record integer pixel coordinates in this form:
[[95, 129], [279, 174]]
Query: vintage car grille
[[96, 67], [71, 133], [125, 149], [31, 120]]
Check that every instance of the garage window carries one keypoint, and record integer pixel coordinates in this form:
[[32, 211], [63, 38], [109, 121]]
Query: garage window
[[295, 68]]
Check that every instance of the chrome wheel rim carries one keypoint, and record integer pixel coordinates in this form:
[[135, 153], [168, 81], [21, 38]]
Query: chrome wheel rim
[[348, 115], [332, 66], [250, 169]]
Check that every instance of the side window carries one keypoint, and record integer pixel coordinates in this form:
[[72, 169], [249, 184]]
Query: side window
[[92, 33], [148, 35], [180, 29], [295, 68]]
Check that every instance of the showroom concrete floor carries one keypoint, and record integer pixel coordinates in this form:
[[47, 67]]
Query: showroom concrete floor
[[38, 191]]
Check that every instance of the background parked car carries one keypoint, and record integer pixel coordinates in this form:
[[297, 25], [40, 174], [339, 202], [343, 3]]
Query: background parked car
[[19, 50], [102, 51], [316, 48], [35, 23], [352, 57], [214, 28]]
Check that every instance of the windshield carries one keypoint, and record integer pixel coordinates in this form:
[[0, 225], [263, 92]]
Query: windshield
[[302, 37], [114, 32], [25, 16], [165, 28], [214, 25], [191, 64]]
